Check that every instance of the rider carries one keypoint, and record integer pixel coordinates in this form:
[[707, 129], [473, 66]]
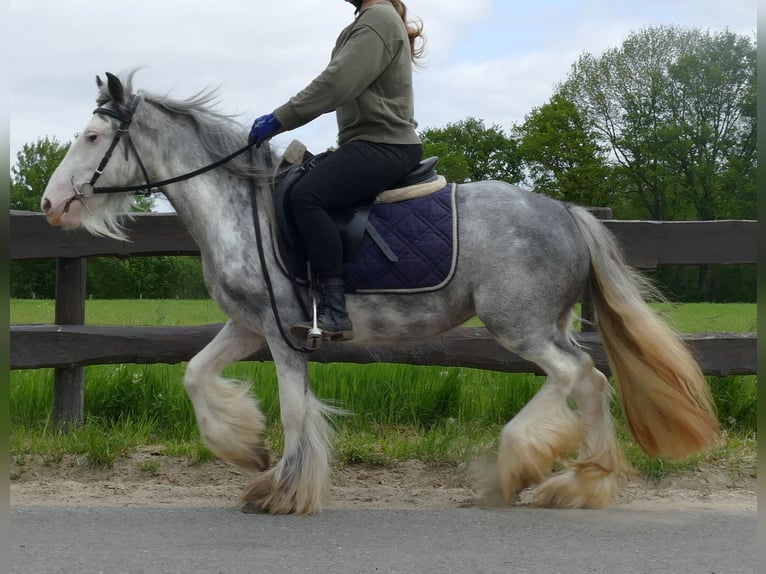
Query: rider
[[368, 83]]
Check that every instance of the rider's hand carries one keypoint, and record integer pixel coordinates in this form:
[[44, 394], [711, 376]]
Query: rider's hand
[[263, 128]]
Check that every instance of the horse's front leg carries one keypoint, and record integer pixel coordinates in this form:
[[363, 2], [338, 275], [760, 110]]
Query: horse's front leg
[[300, 482], [228, 417]]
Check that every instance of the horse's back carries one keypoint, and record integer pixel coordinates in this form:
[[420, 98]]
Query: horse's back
[[520, 246], [516, 221]]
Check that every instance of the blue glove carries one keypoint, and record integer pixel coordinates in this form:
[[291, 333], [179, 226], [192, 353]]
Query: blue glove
[[263, 128]]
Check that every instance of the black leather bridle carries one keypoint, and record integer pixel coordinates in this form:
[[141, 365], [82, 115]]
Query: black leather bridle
[[89, 189]]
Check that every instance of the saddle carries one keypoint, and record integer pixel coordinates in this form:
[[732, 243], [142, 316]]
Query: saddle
[[353, 223]]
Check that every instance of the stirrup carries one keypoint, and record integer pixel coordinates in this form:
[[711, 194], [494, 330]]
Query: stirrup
[[314, 339], [314, 335]]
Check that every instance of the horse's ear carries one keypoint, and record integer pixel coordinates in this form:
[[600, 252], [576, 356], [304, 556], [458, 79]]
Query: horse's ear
[[102, 97], [116, 90]]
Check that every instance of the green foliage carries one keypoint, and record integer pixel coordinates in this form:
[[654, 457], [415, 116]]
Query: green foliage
[[712, 127], [736, 400], [712, 283], [35, 164], [564, 158], [469, 151], [34, 279], [164, 277], [676, 109]]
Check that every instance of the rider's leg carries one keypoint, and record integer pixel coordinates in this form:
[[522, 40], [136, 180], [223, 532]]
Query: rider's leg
[[352, 175]]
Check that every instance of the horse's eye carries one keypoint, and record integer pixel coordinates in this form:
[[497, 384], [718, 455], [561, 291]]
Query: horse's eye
[[92, 138]]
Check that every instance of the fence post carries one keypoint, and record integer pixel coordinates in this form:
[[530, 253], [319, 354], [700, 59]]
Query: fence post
[[586, 309], [69, 383]]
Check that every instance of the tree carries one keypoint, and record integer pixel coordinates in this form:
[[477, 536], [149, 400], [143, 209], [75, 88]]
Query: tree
[[35, 164], [675, 108], [152, 276], [562, 155], [161, 277], [469, 151], [713, 113]]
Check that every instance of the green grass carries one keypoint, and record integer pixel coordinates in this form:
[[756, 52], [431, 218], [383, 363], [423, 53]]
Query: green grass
[[710, 317], [160, 312], [439, 414]]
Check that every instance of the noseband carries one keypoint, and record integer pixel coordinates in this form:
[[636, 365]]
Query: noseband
[[89, 189]]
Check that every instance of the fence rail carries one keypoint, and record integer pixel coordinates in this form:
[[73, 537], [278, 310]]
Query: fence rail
[[647, 244], [69, 345], [66, 346]]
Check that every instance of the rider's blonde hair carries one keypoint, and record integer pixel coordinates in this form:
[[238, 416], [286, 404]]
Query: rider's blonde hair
[[414, 30]]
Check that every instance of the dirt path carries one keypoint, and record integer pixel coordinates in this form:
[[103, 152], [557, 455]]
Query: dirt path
[[148, 478]]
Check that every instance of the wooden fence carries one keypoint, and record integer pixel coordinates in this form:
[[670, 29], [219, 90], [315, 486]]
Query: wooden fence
[[69, 345]]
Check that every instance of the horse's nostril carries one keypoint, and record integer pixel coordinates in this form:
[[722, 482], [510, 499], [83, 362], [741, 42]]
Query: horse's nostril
[[46, 205]]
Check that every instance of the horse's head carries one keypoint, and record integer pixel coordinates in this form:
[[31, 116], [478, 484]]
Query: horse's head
[[69, 199]]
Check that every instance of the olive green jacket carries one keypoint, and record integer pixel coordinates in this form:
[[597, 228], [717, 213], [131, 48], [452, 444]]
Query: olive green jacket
[[368, 83]]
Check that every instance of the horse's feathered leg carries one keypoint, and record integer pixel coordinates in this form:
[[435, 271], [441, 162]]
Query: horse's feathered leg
[[593, 479], [546, 428], [300, 482], [230, 422]]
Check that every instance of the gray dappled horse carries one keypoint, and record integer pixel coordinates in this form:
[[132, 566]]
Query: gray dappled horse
[[524, 259]]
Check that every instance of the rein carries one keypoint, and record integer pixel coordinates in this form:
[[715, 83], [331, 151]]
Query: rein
[[267, 278], [89, 189]]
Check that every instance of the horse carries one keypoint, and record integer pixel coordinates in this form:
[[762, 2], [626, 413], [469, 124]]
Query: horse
[[524, 261]]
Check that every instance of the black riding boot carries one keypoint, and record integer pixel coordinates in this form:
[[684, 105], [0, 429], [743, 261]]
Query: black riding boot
[[332, 318]]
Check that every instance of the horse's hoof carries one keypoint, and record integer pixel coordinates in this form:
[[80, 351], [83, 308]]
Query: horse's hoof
[[592, 488], [263, 497]]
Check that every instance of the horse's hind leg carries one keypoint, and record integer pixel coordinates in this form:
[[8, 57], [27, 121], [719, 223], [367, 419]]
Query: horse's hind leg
[[228, 417], [546, 428], [300, 482], [593, 479]]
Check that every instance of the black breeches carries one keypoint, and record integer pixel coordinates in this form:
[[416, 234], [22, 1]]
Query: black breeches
[[352, 175]]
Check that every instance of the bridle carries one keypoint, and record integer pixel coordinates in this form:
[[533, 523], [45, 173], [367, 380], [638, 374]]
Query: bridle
[[88, 190]]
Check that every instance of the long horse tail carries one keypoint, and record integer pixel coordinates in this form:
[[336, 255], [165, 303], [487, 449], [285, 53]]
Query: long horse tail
[[664, 395]]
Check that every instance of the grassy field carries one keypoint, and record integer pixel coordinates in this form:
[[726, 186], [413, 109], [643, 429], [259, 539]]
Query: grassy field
[[448, 415]]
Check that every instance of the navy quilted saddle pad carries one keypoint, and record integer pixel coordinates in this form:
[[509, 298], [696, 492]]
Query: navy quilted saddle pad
[[422, 233]]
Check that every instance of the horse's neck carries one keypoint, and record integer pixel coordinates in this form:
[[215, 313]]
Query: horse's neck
[[215, 207]]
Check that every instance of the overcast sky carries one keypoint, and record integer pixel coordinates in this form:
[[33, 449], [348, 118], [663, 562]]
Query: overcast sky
[[494, 60]]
